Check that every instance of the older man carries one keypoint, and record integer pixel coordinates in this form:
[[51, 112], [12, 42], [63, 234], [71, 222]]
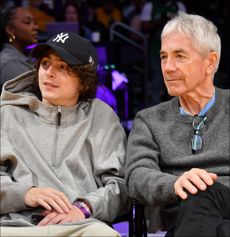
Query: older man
[[178, 151]]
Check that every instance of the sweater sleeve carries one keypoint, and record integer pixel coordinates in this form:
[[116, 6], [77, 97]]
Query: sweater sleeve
[[110, 199], [145, 180]]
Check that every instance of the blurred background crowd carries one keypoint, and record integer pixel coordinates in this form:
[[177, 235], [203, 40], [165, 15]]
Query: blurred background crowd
[[126, 34]]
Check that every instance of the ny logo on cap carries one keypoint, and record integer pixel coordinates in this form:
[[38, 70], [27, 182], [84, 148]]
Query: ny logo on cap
[[61, 37], [91, 60]]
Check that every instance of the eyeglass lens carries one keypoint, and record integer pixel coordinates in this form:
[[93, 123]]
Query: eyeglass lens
[[197, 141]]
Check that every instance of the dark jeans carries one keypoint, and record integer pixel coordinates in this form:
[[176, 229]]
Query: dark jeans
[[205, 214]]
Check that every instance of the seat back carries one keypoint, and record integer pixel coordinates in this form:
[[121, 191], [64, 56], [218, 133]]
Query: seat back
[[136, 220], [138, 226]]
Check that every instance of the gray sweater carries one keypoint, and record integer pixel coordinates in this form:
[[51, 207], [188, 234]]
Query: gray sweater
[[78, 150], [159, 149]]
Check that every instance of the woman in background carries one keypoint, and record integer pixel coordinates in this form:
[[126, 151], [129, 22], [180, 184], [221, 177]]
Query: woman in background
[[18, 30]]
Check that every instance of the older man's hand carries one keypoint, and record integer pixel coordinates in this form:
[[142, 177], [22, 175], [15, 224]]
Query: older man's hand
[[192, 181]]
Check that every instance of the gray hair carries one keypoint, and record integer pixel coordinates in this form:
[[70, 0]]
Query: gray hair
[[202, 31]]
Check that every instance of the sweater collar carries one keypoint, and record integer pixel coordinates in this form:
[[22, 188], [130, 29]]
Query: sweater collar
[[205, 109], [210, 113]]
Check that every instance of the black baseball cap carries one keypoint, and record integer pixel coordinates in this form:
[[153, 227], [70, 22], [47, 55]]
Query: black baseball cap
[[71, 47]]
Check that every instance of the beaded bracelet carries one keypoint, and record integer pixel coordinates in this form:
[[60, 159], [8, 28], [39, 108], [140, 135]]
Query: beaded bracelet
[[84, 208]]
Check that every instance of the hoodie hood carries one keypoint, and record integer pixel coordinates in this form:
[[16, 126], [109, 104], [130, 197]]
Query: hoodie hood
[[21, 90]]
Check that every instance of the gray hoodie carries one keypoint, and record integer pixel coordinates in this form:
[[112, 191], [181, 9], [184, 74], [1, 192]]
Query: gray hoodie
[[77, 150]]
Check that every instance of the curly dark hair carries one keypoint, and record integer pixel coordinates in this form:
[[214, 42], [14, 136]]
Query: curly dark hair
[[86, 73], [88, 77]]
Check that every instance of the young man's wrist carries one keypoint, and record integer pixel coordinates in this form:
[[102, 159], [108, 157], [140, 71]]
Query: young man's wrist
[[84, 208]]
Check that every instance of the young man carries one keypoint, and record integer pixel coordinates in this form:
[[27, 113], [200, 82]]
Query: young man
[[178, 151], [62, 150]]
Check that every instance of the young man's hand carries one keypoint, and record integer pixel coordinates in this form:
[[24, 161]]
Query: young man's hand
[[48, 198], [53, 217], [192, 181]]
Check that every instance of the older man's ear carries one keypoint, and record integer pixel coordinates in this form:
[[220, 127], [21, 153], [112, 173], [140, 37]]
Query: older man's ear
[[212, 63]]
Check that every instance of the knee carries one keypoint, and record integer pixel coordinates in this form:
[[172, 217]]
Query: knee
[[211, 193], [214, 189], [223, 229], [100, 229]]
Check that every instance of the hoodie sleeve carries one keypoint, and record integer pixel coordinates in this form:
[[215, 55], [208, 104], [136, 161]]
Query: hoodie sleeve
[[12, 190], [110, 199]]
